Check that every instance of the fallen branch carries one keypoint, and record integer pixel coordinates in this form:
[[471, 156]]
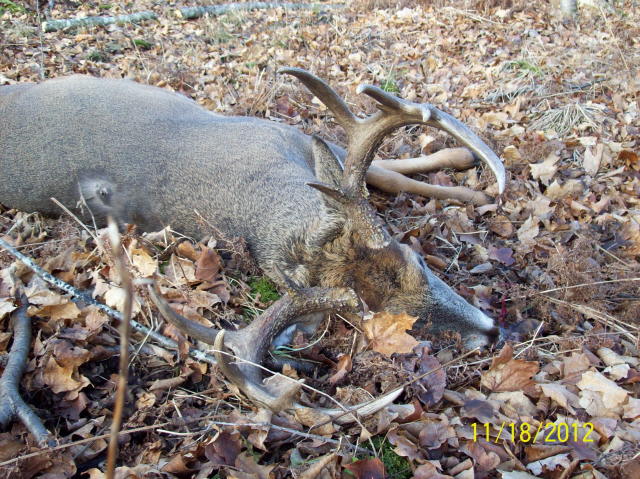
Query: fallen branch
[[86, 297], [343, 414], [11, 402], [189, 13], [54, 25]]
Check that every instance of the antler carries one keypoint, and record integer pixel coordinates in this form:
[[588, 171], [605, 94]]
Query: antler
[[365, 135], [251, 343]]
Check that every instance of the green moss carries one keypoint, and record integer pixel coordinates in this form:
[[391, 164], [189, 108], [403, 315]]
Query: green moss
[[263, 289], [142, 44], [525, 67], [12, 7], [98, 56], [396, 467]]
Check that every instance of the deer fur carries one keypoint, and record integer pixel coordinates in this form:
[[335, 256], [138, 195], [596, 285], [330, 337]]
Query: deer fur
[[153, 157]]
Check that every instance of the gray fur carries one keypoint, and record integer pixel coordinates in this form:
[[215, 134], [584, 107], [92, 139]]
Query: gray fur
[[155, 157]]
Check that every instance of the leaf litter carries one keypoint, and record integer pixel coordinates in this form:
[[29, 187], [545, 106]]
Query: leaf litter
[[556, 261]]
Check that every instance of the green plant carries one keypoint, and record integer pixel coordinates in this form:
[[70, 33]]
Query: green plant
[[262, 288], [98, 56], [12, 7], [396, 467], [390, 85], [142, 43]]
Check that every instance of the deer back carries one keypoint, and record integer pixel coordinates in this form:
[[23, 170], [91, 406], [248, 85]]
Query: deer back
[[154, 158]]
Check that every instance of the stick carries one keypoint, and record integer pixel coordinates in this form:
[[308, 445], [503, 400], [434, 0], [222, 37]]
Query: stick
[[54, 25], [189, 13], [83, 296], [123, 376], [11, 402]]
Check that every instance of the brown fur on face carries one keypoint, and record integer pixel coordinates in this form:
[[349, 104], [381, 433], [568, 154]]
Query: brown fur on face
[[386, 278]]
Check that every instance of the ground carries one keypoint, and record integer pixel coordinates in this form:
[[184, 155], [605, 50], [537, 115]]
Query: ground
[[556, 258]]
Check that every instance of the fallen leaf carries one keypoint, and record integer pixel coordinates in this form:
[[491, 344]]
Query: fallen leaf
[[503, 255], [528, 231], [546, 170], [367, 469], [143, 262], [387, 335], [208, 265], [591, 160], [507, 374]]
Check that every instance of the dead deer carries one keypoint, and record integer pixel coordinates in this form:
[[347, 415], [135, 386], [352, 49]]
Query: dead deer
[[155, 158]]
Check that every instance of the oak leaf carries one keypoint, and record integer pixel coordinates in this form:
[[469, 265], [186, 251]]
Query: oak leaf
[[386, 333]]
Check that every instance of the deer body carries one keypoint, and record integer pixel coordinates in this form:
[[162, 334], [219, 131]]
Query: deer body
[[154, 157]]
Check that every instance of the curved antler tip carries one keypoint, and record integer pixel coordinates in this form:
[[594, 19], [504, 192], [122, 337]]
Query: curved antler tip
[[291, 71]]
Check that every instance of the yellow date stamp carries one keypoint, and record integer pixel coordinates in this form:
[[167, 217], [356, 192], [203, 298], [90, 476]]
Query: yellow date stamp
[[524, 432]]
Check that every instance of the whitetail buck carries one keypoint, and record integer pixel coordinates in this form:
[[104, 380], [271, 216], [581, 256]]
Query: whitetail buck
[[153, 158]]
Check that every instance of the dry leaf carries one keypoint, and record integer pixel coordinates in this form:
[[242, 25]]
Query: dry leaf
[[546, 170], [507, 374], [143, 262], [387, 335]]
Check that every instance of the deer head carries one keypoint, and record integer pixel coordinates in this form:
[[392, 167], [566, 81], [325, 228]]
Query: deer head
[[352, 248]]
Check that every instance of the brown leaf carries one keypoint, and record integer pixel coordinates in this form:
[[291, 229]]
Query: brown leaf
[[503, 255], [367, 469], [342, 369], [507, 374], [546, 170], [429, 471], [208, 265], [403, 445], [528, 231], [501, 225], [311, 417], [482, 411], [143, 262], [246, 463], [61, 378], [386, 333], [224, 449], [630, 159]]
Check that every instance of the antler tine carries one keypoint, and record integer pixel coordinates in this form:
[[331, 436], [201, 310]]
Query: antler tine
[[251, 343], [326, 95], [399, 112]]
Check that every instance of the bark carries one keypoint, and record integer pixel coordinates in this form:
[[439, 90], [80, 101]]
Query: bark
[[11, 402], [54, 25], [189, 13]]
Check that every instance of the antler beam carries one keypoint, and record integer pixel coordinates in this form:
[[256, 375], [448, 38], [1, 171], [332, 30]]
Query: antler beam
[[365, 135]]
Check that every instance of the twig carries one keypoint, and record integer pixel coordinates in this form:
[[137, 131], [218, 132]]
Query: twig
[[189, 13], [125, 331], [54, 25], [187, 421], [66, 287], [11, 402], [563, 288], [401, 387]]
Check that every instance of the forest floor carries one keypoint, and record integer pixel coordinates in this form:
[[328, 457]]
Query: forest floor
[[556, 258]]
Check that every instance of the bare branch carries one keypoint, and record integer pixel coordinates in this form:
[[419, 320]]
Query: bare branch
[[125, 331], [11, 402]]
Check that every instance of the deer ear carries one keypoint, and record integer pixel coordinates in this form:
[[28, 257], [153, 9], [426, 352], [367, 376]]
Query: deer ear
[[328, 168]]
